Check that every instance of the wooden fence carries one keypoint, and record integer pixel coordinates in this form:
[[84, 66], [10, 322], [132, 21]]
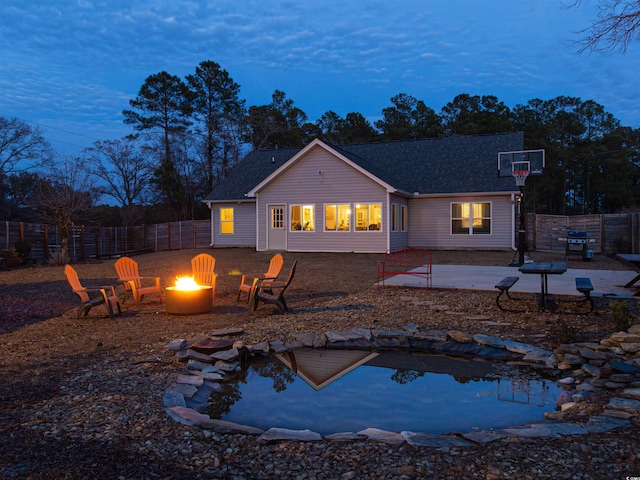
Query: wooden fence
[[105, 242], [608, 234]]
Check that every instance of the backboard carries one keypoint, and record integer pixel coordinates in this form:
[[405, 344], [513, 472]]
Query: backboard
[[523, 160]]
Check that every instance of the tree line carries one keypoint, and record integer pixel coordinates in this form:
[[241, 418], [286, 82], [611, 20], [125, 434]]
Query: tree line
[[188, 134]]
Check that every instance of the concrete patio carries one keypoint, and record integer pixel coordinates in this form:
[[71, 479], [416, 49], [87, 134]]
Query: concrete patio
[[605, 282]]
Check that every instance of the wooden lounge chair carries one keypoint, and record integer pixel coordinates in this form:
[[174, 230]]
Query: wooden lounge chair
[[247, 283], [107, 294], [273, 293], [133, 283], [203, 266]]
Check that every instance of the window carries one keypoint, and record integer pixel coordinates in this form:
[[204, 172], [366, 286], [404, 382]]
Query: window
[[302, 218], [471, 218], [398, 217], [395, 217], [337, 217], [368, 216], [277, 218], [404, 219], [226, 221]]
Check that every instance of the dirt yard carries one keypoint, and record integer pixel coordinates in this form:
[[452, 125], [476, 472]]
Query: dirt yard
[[81, 398]]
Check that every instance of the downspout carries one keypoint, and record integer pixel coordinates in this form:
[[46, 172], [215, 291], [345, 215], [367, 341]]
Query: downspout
[[513, 222], [213, 226]]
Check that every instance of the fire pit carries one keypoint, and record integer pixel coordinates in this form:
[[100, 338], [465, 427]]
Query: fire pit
[[188, 298]]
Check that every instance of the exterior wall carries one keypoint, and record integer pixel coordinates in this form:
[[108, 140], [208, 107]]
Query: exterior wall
[[320, 178], [244, 225], [430, 224]]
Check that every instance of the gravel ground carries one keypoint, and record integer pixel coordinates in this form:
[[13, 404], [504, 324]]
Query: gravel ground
[[82, 398]]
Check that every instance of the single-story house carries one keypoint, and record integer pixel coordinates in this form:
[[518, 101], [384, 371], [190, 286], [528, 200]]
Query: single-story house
[[440, 193]]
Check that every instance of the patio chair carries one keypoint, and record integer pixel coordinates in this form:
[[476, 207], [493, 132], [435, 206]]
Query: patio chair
[[107, 294], [133, 283], [203, 266], [273, 292], [247, 282]]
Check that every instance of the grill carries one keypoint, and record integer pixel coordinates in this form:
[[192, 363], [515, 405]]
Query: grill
[[578, 238]]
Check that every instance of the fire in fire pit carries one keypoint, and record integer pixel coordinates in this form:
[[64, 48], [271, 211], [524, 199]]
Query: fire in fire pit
[[188, 298]]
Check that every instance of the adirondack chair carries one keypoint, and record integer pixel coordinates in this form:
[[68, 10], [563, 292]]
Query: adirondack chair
[[203, 266], [247, 283], [107, 294], [273, 293], [133, 283]]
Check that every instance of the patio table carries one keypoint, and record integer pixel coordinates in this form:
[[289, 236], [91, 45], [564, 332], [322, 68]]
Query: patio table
[[544, 269], [633, 259]]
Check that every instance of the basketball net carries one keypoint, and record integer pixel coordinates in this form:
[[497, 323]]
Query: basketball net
[[520, 177]]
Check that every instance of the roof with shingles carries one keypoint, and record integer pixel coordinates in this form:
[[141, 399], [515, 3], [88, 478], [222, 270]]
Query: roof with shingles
[[459, 164]]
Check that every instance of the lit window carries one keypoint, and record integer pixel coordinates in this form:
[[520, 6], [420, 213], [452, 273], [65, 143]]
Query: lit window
[[471, 218], [337, 218], [302, 218], [226, 221], [368, 216]]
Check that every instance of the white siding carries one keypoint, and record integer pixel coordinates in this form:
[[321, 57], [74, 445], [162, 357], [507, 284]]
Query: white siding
[[430, 224], [320, 178], [244, 225]]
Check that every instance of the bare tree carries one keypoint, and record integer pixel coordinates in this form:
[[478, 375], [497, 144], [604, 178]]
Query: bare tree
[[126, 168], [616, 27], [67, 192], [19, 142]]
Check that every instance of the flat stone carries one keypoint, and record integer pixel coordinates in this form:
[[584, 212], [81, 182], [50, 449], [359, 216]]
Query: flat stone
[[590, 370], [622, 378], [390, 333], [333, 336], [226, 355], [488, 340], [186, 416], [624, 367], [618, 414], [277, 434], [261, 348], [624, 337], [626, 404], [222, 426], [277, 347], [432, 335], [432, 440], [198, 365], [199, 356], [306, 339], [537, 355], [485, 436], [601, 424], [171, 398], [194, 380], [186, 391], [518, 347], [177, 344], [634, 392], [630, 347], [364, 333], [382, 436], [211, 345], [590, 354], [459, 336]]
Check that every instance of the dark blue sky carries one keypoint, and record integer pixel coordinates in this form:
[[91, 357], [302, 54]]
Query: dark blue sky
[[71, 67]]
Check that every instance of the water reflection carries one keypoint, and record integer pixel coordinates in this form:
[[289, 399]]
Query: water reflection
[[347, 390]]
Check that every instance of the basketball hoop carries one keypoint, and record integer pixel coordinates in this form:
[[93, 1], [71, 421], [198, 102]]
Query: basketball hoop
[[520, 177]]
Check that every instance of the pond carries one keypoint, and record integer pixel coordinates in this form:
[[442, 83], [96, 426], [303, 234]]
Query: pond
[[331, 391]]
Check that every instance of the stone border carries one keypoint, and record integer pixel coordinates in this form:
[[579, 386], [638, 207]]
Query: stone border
[[584, 368]]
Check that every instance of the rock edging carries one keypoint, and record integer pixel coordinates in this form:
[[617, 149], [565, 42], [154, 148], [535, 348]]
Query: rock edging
[[584, 368]]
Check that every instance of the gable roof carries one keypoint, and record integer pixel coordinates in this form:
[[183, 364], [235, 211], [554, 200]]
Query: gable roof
[[459, 164]]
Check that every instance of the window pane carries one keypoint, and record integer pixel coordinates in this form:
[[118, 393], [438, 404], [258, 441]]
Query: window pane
[[482, 227], [404, 218], [375, 216], [226, 221], [344, 217], [330, 222], [457, 227], [362, 217], [394, 218], [296, 217]]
